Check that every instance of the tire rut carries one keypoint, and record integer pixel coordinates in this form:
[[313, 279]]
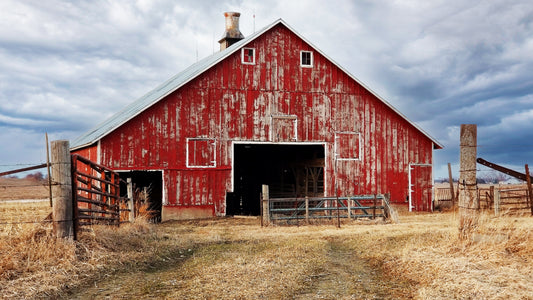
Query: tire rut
[[347, 276]]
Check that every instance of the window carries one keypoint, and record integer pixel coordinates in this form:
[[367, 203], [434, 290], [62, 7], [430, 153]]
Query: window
[[201, 153], [347, 145], [306, 59], [248, 56]]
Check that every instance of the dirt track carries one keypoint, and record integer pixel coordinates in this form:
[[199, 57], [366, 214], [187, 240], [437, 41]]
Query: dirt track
[[201, 273]]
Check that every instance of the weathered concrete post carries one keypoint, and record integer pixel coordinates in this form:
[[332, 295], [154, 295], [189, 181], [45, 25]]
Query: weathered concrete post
[[468, 201], [266, 206], [62, 189]]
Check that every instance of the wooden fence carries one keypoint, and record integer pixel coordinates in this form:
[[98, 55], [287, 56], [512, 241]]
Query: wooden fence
[[444, 197], [513, 199], [503, 199]]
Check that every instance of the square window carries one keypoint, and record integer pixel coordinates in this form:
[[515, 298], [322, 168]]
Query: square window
[[248, 56], [306, 59]]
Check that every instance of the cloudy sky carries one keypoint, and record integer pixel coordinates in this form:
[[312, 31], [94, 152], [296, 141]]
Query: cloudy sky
[[65, 66]]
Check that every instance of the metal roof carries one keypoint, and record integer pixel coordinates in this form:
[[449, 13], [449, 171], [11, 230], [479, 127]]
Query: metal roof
[[182, 78]]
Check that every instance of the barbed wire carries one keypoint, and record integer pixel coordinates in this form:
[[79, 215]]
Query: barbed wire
[[22, 164], [35, 222]]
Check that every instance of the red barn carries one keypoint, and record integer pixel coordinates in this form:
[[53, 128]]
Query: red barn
[[267, 109]]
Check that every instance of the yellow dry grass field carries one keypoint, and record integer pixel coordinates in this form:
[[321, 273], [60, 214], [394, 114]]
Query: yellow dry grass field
[[231, 258], [14, 189]]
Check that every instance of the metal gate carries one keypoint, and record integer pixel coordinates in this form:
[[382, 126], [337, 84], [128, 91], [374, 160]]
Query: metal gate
[[309, 208], [96, 193]]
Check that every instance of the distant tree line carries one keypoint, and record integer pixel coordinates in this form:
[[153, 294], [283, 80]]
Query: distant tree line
[[483, 177]]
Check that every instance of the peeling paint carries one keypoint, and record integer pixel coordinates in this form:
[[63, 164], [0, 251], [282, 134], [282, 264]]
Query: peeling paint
[[273, 100]]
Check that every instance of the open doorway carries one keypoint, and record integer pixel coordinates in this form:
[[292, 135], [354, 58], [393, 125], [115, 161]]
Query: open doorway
[[288, 170], [148, 185]]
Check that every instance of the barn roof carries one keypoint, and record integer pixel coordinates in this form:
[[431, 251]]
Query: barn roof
[[182, 78]]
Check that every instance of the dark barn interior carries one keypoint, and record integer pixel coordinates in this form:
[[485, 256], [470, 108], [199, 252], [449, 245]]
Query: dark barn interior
[[149, 182], [288, 170]]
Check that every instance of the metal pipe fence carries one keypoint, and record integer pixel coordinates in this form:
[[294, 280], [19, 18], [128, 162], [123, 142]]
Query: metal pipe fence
[[314, 209]]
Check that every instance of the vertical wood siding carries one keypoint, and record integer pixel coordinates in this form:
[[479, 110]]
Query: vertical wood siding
[[236, 102]]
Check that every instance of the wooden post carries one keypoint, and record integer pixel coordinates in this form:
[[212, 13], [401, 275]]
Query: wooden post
[[374, 208], [131, 203], [62, 189], [529, 190], [307, 209], [349, 204], [491, 196], [338, 213], [48, 170], [468, 201], [497, 202], [266, 206], [450, 178]]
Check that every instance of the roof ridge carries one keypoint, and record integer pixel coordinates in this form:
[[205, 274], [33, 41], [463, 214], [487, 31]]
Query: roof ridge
[[180, 79], [159, 92]]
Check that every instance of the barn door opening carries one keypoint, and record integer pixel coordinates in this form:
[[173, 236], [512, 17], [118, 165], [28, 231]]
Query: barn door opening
[[289, 170], [148, 186], [420, 187]]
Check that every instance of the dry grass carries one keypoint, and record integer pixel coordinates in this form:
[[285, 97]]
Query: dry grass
[[493, 264], [34, 264], [14, 188], [421, 257]]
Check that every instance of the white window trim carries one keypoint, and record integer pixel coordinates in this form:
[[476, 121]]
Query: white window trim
[[336, 151], [213, 162], [243, 50], [312, 59], [286, 117]]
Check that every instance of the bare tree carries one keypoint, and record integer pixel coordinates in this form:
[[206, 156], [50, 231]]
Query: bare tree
[[494, 176]]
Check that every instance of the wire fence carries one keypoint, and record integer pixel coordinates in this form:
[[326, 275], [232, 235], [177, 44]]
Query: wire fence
[[24, 200]]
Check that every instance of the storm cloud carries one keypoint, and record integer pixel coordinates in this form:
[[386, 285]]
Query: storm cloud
[[66, 66]]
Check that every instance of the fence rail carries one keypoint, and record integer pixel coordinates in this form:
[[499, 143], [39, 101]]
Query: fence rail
[[292, 210], [502, 199], [96, 193]]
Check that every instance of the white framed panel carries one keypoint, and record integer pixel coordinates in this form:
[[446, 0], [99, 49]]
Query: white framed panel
[[348, 145], [283, 128], [201, 153]]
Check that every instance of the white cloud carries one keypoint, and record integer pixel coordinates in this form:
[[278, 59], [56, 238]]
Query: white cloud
[[66, 66]]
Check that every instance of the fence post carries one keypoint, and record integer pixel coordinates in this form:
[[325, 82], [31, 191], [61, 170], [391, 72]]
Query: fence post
[[497, 202], [307, 209], [131, 204], [468, 200], [62, 189], [450, 178], [349, 204], [529, 190], [374, 208], [266, 206], [491, 197]]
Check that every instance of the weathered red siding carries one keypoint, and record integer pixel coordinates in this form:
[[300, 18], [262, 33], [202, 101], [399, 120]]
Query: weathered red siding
[[90, 152], [236, 102]]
